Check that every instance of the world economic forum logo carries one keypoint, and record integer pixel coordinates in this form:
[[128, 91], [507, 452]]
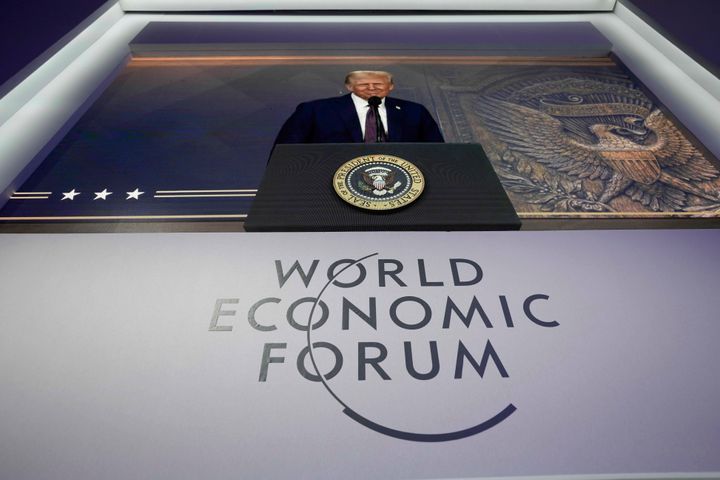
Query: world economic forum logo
[[412, 349]]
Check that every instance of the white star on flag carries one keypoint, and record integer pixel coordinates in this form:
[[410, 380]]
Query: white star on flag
[[102, 195], [70, 195], [134, 194]]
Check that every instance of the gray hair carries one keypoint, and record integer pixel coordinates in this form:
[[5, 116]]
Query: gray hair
[[375, 73]]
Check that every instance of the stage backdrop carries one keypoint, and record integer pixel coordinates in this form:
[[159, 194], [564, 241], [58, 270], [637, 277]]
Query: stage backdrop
[[430, 355], [186, 130]]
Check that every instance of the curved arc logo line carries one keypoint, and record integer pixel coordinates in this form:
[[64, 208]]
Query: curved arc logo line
[[391, 432]]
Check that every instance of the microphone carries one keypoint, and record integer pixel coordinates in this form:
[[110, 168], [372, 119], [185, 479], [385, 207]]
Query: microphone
[[374, 103]]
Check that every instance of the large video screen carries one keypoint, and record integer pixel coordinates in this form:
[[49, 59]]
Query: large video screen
[[185, 132]]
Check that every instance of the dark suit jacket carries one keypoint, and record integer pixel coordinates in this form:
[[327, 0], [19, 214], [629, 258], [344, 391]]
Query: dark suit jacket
[[335, 120]]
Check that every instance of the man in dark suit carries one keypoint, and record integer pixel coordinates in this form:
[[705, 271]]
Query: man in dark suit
[[366, 114]]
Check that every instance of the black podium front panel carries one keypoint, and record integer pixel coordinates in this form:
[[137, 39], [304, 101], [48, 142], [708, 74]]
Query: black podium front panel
[[462, 191]]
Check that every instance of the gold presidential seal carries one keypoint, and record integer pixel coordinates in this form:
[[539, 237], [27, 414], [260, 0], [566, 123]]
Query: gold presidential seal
[[378, 182]]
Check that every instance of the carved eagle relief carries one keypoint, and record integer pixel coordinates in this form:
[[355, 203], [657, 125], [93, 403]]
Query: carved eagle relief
[[589, 129]]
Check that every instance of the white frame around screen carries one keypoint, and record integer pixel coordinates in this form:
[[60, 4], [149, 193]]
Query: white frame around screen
[[34, 111], [474, 5]]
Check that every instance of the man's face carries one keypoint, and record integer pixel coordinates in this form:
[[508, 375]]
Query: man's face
[[366, 86]]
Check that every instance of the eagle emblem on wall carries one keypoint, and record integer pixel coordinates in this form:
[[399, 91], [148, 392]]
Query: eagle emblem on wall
[[601, 141]]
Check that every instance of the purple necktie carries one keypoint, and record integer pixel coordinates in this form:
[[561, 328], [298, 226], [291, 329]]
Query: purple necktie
[[372, 122]]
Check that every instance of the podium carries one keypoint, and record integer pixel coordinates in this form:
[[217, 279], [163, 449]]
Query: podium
[[462, 191]]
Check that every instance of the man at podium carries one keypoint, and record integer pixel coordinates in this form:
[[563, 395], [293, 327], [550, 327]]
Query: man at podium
[[366, 115]]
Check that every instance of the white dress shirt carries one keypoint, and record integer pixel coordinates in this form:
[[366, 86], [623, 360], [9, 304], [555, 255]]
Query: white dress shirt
[[362, 107]]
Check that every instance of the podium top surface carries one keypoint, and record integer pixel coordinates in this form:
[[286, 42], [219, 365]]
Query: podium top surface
[[462, 191]]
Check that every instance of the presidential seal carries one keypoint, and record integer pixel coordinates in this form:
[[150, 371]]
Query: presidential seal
[[378, 182]]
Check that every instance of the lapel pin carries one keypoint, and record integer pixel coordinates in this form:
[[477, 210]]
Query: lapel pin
[[397, 106]]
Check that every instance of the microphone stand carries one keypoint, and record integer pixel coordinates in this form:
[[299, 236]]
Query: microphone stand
[[379, 128]]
